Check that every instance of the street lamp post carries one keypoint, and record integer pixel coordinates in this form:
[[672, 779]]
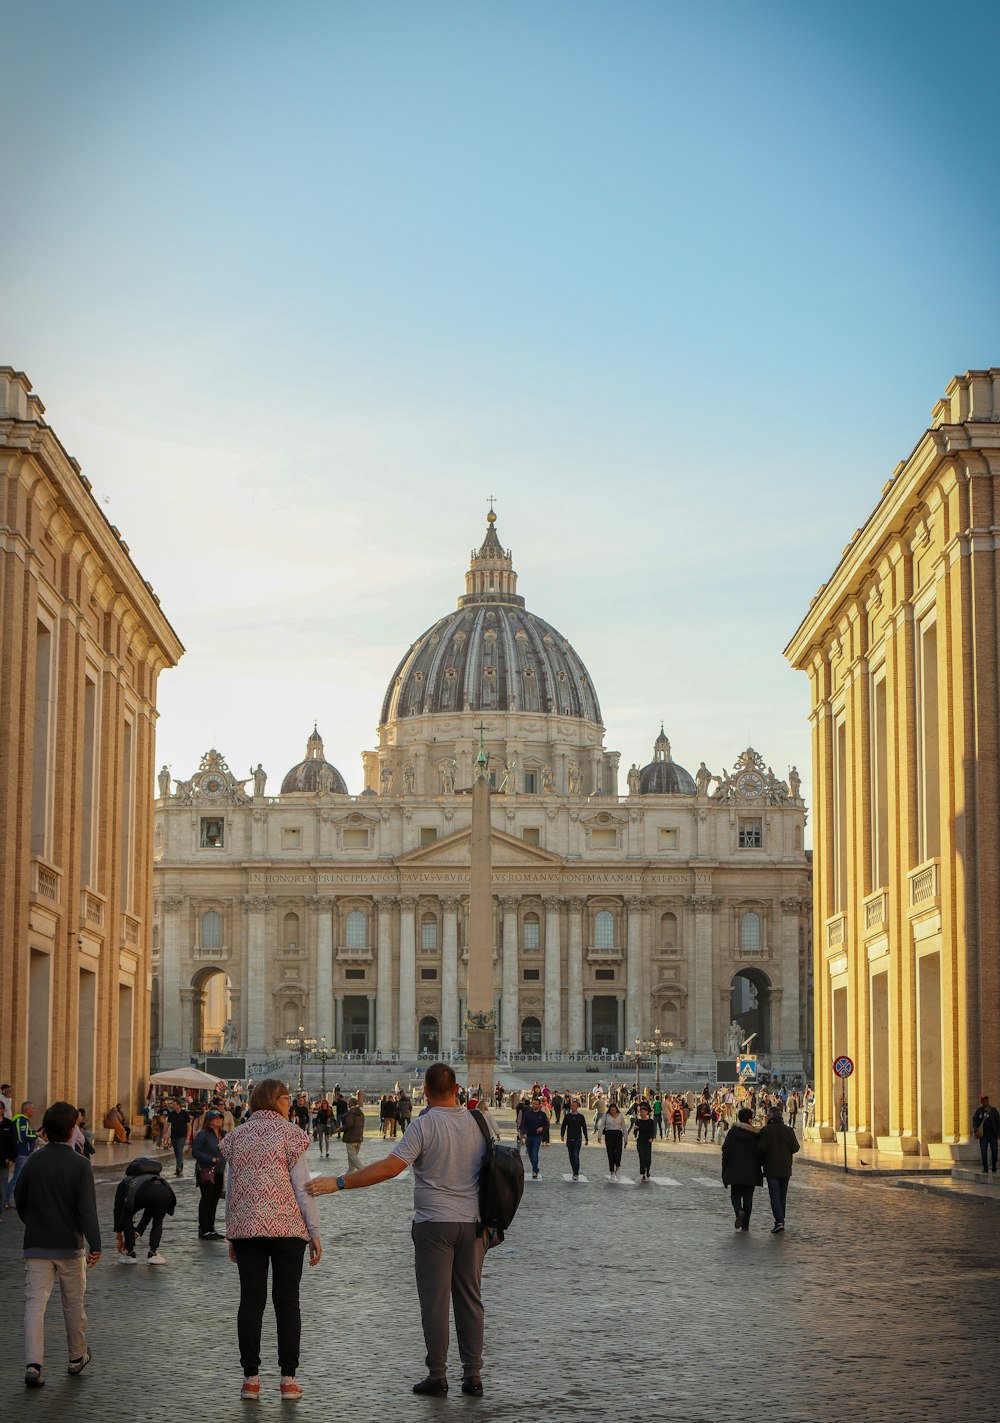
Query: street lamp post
[[324, 1053], [655, 1047], [301, 1045]]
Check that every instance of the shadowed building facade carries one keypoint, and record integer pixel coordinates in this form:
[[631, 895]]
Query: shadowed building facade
[[680, 905], [83, 642], [901, 646]]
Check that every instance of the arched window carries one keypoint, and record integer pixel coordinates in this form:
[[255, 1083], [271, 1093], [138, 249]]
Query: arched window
[[428, 932], [668, 931], [531, 1035], [211, 929], [356, 930], [290, 931], [604, 929], [290, 1017], [531, 933], [750, 930]]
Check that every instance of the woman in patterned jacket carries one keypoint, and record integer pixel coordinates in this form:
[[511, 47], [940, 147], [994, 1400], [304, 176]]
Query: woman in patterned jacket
[[270, 1218]]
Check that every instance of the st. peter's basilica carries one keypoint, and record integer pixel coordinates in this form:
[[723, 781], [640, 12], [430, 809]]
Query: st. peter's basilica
[[682, 905]]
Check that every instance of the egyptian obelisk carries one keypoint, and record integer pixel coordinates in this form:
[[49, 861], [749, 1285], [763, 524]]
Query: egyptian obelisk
[[480, 1013]]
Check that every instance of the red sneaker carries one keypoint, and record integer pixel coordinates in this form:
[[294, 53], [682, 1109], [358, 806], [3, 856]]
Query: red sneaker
[[290, 1388], [251, 1387]]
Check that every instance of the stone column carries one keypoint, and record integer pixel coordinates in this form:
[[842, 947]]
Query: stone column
[[338, 1022], [383, 977], [588, 1028], [791, 1040], [371, 1019], [449, 975], [633, 970], [552, 1024], [170, 983], [407, 1040], [257, 977], [574, 986], [774, 1015], [700, 1028], [323, 906], [188, 997], [509, 1000]]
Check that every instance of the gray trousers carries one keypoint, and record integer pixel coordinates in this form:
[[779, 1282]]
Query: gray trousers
[[448, 1259]]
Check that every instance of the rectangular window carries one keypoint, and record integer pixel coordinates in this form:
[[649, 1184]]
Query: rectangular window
[[604, 839], [355, 973], [428, 834], [531, 835], [532, 975], [428, 975], [355, 839], [669, 839], [604, 975], [530, 932], [531, 783], [751, 835], [429, 934], [212, 833], [291, 838]]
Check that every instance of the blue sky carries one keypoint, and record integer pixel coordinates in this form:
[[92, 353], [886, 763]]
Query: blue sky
[[301, 285]]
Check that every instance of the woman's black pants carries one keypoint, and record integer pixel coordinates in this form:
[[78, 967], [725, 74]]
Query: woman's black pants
[[613, 1145], [284, 1256]]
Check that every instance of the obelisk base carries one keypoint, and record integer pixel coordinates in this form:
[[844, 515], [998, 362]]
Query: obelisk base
[[480, 1063]]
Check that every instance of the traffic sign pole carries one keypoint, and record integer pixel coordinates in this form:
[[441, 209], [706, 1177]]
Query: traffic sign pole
[[843, 1066]]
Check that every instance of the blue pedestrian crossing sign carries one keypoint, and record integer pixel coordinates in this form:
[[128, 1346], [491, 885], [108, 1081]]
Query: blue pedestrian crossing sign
[[746, 1068]]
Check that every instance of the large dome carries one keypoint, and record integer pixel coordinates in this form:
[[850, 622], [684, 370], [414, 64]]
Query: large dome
[[491, 655], [663, 776], [314, 773]]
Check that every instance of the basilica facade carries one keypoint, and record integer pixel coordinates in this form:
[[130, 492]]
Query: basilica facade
[[682, 905]]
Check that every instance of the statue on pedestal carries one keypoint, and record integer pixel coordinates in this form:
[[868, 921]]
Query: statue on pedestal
[[447, 771], [703, 779], [633, 779], [734, 1038], [259, 779], [574, 778], [794, 783], [409, 775], [164, 782]]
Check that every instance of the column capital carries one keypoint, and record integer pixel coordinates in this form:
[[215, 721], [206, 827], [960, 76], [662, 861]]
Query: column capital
[[407, 902], [322, 901], [257, 903], [173, 902], [633, 903], [383, 902], [552, 903], [576, 903], [452, 903], [509, 903]]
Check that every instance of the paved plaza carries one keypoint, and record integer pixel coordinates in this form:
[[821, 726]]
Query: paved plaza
[[607, 1301]]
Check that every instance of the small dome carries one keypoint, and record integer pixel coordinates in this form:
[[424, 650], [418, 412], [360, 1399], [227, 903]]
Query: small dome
[[663, 776], [314, 773]]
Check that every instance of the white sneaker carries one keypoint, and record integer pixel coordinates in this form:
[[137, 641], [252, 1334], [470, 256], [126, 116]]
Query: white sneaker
[[156, 1259], [126, 1259]]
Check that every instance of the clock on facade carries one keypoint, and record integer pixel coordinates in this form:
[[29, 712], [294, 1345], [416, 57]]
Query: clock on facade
[[750, 785], [212, 785]]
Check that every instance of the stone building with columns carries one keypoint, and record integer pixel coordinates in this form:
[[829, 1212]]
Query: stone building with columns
[[901, 645], [681, 905]]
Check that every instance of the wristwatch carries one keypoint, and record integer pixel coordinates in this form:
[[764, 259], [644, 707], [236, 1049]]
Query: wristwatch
[[341, 1186]]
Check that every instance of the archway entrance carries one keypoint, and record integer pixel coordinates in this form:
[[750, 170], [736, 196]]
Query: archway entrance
[[213, 1007], [604, 1024], [531, 1035], [428, 1036], [356, 1023], [750, 1006]]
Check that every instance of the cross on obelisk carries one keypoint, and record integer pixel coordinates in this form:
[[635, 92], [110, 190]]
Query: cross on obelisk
[[480, 1014]]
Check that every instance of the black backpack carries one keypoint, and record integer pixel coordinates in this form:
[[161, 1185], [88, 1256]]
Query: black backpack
[[501, 1185]]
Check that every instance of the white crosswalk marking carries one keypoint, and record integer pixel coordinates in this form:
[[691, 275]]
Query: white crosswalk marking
[[664, 1181], [581, 1178], [707, 1181]]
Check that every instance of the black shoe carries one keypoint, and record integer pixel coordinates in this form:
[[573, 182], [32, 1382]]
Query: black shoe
[[33, 1376], [212, 1235], [777, 1227], [437, 1387], [739, 1220], [474, 1387]]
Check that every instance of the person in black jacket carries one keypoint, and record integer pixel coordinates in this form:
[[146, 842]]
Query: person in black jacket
[[986, 1126], [209, 1172], [574, 1131], [534, 1128], [740, 1167], [645, 1129], [56, 1199], [776, 1145], [8, 1147], [142, 1189]]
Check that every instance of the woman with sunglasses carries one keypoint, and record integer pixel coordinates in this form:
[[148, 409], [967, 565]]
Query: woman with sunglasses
[[270, 1217]]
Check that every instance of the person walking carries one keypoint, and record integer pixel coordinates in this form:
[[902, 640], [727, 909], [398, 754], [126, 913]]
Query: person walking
[[323, 1126], [534, 1129], [776, 1145], [986, 1127], [703, 1117], [677, 1119], [573, 1131], [8, 1146], [644, 1128], [613, 1127], [741, 1167], [179, 1119], [353, 1134], [56, 1200], [209, 1172], [445, 1147], [27, 1140], [142, 1189], [270, 1218]]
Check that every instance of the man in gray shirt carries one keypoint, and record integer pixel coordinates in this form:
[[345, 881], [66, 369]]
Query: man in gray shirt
[[445, 1147]]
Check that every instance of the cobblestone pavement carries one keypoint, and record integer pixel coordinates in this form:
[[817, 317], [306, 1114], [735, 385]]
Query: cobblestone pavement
[[606, 1301]]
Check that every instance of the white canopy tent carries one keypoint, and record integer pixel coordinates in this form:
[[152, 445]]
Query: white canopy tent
[[184, 1077]]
